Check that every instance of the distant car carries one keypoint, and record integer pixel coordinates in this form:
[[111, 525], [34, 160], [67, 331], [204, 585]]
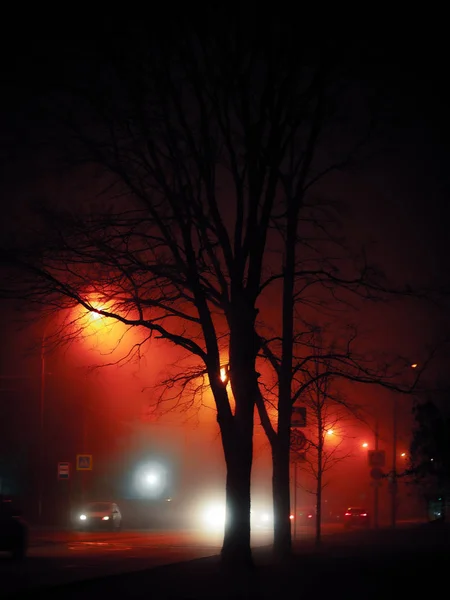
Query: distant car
[[356, 517], [13, 530], [262, 517], [100, 515], [306, 515]]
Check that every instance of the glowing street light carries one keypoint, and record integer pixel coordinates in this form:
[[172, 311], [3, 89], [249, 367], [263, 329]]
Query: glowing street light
[[93, 311], [225, 374], [414, 366], [330, 432], [403, 454], [152, 479], [365, 445]]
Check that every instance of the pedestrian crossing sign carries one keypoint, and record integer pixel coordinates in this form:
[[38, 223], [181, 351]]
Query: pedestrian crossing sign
[[84, 462]]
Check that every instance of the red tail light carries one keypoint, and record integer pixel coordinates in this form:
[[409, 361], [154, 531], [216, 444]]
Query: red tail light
[[363, 515], [348, 514]]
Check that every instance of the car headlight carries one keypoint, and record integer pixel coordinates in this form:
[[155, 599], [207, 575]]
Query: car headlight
[[214, 517], [83, 517], [105, 518]]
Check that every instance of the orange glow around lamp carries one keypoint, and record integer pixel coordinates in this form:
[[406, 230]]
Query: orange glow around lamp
[[225, 374]]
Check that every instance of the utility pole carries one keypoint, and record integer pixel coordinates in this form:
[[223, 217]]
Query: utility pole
[[41, 427], [376, 484], [393, 482], [295, 498]]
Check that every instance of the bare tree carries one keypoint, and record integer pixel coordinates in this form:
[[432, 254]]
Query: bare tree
[[212, 142], [327, 411], [322, 355], [206, 136]]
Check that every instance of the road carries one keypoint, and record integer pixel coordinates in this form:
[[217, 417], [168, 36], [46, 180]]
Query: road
[[58, 557]]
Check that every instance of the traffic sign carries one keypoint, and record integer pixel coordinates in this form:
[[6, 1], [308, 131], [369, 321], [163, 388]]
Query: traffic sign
[[298, 416], [298, 456], [298, 440], [84, 462], [377, 458], [376, 473], [63, 470]]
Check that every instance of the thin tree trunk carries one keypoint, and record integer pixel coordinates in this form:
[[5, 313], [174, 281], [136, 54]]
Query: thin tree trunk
[[319, 496], [282, 543], [281, 448]]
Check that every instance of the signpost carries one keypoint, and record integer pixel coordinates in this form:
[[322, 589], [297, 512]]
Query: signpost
[[84, 462], [376, 473], [298, 416], [377, 458], [298, 440], [63, 470]]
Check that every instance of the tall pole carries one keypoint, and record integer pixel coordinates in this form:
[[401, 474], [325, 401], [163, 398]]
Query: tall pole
[[375, 482], [85, 449], [394, 466], [41, 429], [295, 498]]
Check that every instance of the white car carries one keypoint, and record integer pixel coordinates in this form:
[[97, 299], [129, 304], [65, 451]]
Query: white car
[[100, 515]]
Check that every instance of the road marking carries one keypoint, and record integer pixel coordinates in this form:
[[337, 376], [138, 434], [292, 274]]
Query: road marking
[[99, 546]]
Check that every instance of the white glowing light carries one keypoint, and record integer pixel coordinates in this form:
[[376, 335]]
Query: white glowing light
[[214, 517], [152, 478]]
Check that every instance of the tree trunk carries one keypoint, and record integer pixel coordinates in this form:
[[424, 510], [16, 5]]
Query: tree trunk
[[236, 551], [282, 542], [237, 440]]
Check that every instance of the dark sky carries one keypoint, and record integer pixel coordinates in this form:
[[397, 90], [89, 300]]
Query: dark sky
[[412, 133]]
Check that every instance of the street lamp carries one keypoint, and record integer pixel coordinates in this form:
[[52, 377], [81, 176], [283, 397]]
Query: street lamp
[[41, 419], [225, 374]]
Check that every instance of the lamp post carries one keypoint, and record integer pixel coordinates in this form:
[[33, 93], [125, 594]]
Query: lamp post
[[41, 422], [394, 465], [393, 483], [376, 484]]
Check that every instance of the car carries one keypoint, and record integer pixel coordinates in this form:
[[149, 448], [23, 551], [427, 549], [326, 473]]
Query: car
[[305, 515], [356, 517], [262, 517], [100, 515], [13, 529]]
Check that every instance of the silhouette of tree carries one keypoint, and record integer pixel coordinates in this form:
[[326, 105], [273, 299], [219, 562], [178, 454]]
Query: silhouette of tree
[[430, 446], [212, 142]]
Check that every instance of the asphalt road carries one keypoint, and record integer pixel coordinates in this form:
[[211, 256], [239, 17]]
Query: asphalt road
[[58, 557]]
